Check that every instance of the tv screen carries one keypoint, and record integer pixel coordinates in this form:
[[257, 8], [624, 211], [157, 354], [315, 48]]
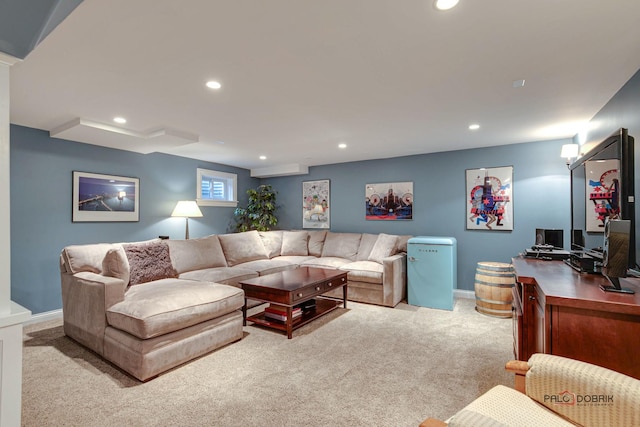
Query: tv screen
[[602, 187]]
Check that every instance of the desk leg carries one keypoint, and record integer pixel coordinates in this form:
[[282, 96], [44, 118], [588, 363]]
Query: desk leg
[[244, 313], [344, 296]]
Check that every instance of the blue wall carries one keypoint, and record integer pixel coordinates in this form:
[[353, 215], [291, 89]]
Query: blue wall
[[41, 181], [622, 111], [540, 196]]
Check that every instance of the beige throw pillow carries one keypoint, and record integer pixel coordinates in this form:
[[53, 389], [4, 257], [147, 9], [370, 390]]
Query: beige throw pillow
[[384, 247], [295, 243]]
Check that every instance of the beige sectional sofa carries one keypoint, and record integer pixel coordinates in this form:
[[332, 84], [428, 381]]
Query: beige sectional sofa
[[150, 306]]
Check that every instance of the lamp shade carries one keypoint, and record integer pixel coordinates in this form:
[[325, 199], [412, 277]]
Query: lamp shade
[[187, 208], [569, 151]]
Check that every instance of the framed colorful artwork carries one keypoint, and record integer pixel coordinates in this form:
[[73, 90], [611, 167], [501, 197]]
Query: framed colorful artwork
[[316, 212], [390, 201], [105, 198], [490, 198], [602, 188]]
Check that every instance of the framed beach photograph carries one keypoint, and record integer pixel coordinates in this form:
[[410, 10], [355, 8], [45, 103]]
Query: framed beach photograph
[[105, 198], [316, 212], [391, 201], [490, 198]]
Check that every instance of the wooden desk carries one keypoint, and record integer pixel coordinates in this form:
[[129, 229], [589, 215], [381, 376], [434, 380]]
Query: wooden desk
[[558, 310]]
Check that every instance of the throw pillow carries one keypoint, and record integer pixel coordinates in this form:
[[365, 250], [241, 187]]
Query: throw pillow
[[242, 247], [384, 247], [148, 262], [295, 243]]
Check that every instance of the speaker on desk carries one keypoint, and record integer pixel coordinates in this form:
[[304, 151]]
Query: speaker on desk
[[615, 254]]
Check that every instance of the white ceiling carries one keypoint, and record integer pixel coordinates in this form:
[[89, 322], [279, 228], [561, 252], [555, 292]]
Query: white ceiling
[[387, 77]]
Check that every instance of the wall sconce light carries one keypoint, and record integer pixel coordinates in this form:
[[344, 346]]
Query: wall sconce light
[[570, 152], [187, 209]]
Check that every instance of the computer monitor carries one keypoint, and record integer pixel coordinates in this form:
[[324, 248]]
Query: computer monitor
[[551, 237]]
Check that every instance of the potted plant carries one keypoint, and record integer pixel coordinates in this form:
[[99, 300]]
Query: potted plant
[[259, 213]]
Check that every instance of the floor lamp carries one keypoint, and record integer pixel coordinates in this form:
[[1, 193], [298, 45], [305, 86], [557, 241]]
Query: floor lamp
[[187, 209]]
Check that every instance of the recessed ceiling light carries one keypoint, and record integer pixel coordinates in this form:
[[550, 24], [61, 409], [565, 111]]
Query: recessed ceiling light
[[474, 126], [212, 84], [120, 120], [518, 83], [444, 4], [342, 145], [263, 157]]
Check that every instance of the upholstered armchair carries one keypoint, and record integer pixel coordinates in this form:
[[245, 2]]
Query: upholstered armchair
[[554, 391]]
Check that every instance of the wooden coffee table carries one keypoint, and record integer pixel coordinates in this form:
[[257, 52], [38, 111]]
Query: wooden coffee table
[[291, 287]]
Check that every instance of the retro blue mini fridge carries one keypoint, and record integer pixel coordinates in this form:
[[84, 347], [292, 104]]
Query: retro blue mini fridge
[[431, 271]]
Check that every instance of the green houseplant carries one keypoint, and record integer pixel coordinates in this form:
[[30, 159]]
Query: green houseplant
[[259, 213]]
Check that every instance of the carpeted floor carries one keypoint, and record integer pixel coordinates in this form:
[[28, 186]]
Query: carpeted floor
[[363, 366]]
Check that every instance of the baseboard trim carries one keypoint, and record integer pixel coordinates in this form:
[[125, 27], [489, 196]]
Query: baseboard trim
[[461, 293], [44, 317]]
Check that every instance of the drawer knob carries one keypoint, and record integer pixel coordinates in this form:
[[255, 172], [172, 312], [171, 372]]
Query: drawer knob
[[317, 288], [330, 284], [531, 298], [300, 294]]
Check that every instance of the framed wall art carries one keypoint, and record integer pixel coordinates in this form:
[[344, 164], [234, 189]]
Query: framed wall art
[[490, 198], [602, 188], [316, 212], [105, 198], [390, 201]]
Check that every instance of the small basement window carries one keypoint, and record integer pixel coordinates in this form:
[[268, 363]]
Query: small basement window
[[217, 188]]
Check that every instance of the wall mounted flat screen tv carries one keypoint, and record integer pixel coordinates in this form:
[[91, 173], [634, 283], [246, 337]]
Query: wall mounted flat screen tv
[[602, 187]]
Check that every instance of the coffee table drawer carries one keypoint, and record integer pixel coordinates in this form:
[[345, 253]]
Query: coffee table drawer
[[318, 289]]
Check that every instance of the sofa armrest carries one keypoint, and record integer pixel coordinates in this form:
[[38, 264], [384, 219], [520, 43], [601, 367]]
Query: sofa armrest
[[519, 368], [582, 392], [394, 279], [86, 297]]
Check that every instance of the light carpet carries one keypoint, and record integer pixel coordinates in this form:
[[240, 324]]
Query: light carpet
[[361, 366]]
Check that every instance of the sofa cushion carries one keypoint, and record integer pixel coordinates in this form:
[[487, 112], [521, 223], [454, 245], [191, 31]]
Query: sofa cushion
[[508, 406], [366, 244], [295, 243], [272, 241], [268, 266], [157, 308], [196, 254], [115, 264], [316, 242], [295, 259], [325, 262], [148, 261], [242, 247], [341, 245], [364, 271], [384, 247], [467, 418], [86, 257], [225, 275]]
